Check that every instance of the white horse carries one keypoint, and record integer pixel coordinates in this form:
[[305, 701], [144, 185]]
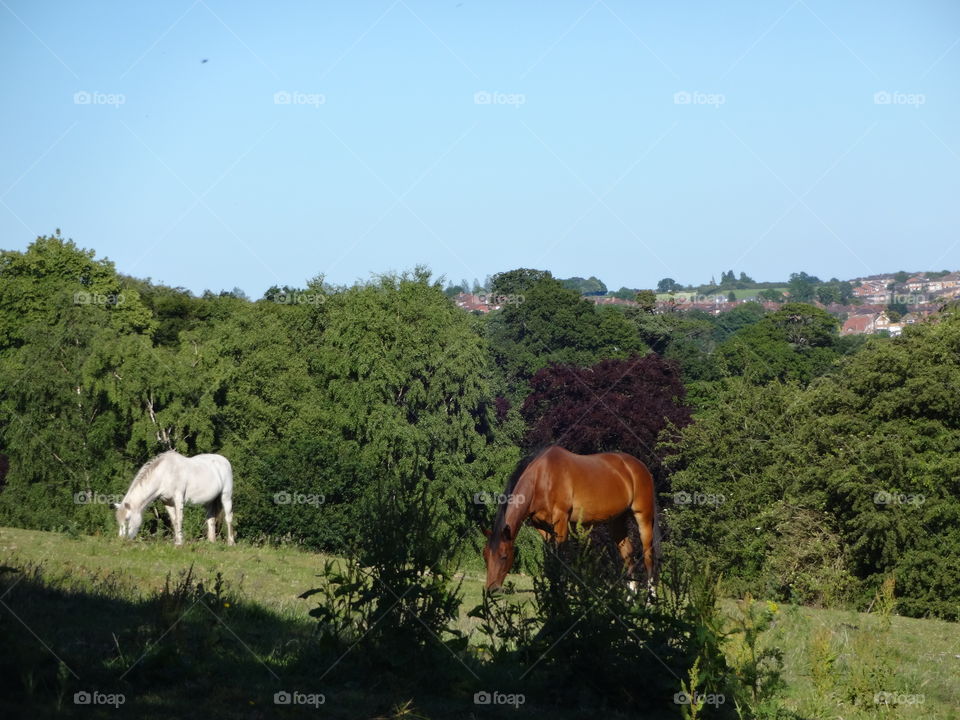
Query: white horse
[[176, 480]]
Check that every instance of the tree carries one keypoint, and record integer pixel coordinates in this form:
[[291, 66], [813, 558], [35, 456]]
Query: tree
[[859, 472], [828, 294], [746, 279], [895, 311], [731, 296], [797, 342], [625, 293], [589, 286], [69, 330], [802, 287], [647, 299], [614, 405], [668, 285], [517, 282], [554, 324]]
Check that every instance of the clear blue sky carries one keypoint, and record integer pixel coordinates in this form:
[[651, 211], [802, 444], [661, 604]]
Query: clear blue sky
[[581, 159]]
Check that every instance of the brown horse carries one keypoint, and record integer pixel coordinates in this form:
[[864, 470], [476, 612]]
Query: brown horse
[[556, 488]]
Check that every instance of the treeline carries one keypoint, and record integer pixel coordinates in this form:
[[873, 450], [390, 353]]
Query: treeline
[[770, 435]]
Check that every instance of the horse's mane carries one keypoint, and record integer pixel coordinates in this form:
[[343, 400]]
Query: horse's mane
[[501, 515], [148, 467]]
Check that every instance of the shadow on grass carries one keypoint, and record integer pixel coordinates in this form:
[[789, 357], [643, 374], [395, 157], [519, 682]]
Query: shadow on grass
[[192, 650], [96, 649]]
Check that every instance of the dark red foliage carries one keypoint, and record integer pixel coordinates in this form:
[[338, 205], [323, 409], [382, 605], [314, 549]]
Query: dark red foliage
[[615, 405], [502, 406]]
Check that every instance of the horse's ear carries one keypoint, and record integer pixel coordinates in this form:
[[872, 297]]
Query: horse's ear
[[506, 533]]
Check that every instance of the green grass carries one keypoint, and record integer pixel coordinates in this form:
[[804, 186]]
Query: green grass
[[97, 602], [740, 294]]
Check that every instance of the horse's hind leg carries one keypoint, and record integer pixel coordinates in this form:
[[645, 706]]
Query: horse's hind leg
[[645, 524], [213, 509], [227, 502], [620, 532]]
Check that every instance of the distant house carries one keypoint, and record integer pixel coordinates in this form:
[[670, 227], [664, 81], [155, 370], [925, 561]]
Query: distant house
[[610, 300], [915, 284], [950, 281], [472, 302], [870, 323], [860, 325]]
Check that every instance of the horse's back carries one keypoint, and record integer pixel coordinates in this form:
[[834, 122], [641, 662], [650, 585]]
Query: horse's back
[[209, 476], [595, 487]]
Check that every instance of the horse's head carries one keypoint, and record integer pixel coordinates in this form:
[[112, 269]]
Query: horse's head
[[498, 554], [128, 520]]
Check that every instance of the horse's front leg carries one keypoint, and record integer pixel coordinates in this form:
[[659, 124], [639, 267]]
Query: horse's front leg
[[177, 517]]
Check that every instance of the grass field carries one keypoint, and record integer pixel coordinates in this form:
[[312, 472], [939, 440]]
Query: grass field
[[98, 583], [740, 294]]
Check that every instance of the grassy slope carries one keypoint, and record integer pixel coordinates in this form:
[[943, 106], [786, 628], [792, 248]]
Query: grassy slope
[[740, 293], [926, 653]]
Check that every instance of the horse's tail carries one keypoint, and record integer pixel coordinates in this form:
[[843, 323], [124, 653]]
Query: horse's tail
[[656, 538]]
